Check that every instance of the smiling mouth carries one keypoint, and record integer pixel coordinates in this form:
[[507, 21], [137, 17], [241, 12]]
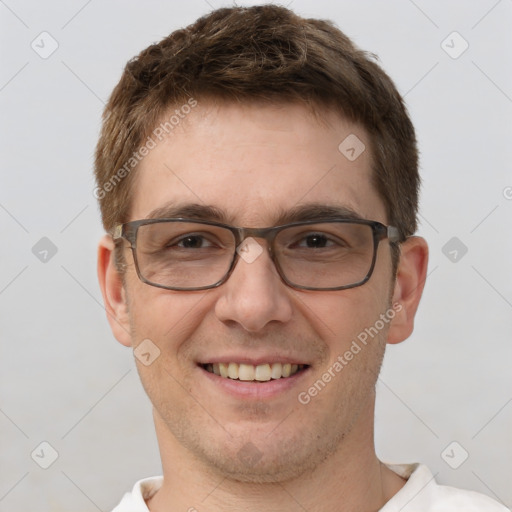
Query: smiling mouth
[[255, 373]]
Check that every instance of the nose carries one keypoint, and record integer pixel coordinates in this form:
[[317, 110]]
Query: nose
[[254, 295]]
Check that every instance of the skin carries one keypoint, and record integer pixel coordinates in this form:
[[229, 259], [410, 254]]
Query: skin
[[255, 162]]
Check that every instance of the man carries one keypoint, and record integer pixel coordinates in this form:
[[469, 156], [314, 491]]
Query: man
[[257, 176]]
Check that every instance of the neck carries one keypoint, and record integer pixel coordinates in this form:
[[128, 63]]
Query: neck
[[351, 479]]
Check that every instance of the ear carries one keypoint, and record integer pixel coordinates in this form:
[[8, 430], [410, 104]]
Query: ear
[[410, 280], [114, 294]]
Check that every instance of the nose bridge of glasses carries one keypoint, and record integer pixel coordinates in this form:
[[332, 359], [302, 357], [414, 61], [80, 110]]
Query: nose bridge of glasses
[[267, 234]]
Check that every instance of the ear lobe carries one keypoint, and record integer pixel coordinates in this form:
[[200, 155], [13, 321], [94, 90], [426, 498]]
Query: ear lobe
[[410, 281], [114, 294]]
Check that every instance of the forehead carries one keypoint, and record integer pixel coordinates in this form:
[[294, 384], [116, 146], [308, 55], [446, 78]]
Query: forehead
[[254, 162]]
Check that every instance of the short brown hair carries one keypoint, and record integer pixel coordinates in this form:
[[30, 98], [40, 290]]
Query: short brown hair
[[260, 53]]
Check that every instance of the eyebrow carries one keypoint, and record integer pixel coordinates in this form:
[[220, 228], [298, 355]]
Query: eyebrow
[[317, 211], [189, 211], [299, 213]]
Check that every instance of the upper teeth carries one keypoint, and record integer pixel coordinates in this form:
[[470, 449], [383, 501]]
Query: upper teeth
[[261, 372]]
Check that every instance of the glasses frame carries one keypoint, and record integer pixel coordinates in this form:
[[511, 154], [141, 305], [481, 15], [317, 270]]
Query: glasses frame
[[128, 231]]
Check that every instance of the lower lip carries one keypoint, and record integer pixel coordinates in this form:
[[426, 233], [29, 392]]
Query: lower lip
[[255, 390]]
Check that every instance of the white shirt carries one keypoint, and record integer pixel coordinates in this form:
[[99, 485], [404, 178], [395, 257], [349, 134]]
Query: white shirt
[[421, 493]]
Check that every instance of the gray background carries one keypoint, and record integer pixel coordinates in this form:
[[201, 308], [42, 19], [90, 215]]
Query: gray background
[[66, 381]]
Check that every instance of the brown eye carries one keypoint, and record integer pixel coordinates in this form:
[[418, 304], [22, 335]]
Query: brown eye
[[316, 241], [193, 242]]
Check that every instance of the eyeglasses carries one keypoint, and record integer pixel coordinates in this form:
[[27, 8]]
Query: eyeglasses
[[185, 254]]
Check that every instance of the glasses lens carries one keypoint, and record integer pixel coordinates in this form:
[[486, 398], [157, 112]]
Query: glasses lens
[[187, 255], [325, 255], [184, 254]]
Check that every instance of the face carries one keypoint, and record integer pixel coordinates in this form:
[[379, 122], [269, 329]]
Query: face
[[254, 164]]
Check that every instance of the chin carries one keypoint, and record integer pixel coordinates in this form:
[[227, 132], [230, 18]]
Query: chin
[[260, 459], [266, 470]]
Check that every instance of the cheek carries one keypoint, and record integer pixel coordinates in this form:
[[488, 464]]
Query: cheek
[[339, 317], [168, 318]]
